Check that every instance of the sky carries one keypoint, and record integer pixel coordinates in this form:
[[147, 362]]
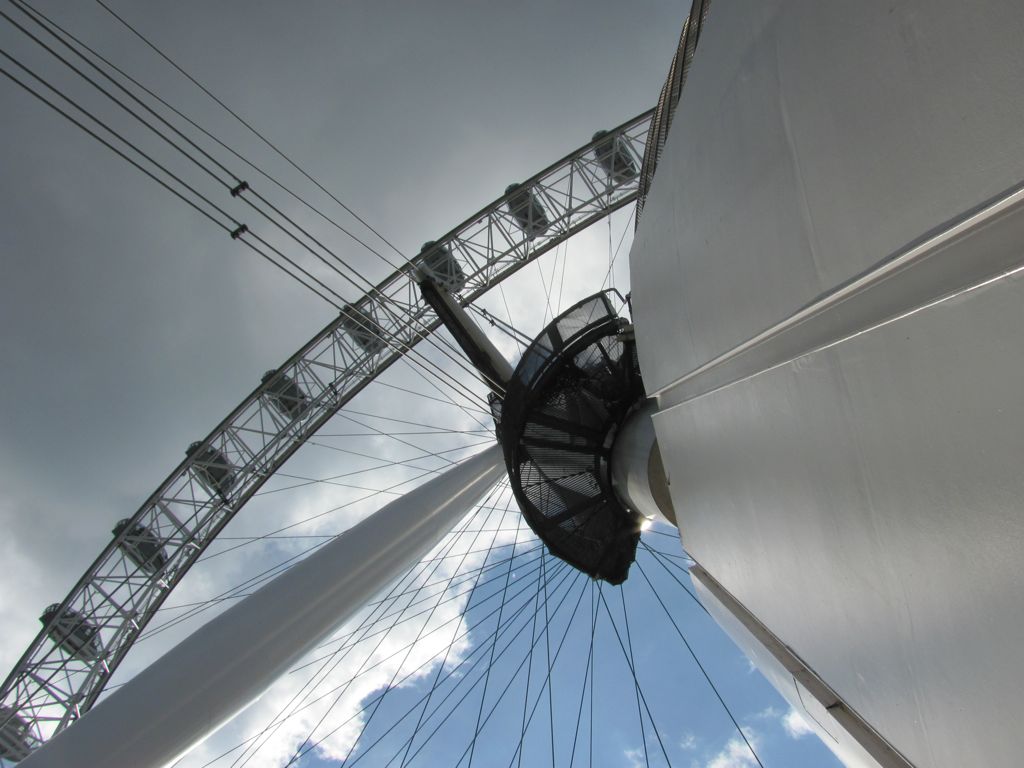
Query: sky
[[131, 326]]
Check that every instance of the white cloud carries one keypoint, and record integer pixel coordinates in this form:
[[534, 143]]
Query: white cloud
[[768, 713], [634, 758], [736, 753], [688, 742], [796, 726]]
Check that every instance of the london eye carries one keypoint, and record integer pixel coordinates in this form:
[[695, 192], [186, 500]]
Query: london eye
[[524, 628]]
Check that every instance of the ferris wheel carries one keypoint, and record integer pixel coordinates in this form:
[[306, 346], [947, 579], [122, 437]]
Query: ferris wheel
[[561, 412], [86, 636]]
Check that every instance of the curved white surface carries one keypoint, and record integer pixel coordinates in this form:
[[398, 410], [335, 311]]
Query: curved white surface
[[854, 482]]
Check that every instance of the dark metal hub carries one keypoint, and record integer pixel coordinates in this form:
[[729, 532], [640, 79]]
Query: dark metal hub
[[569, 394]]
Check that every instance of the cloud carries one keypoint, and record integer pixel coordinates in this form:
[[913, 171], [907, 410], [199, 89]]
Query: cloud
[[688, 742], [634, 758], [795, 725], [736, 753]]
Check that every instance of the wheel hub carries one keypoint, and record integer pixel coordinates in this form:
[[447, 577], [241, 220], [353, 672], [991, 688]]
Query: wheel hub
[[572, 389]]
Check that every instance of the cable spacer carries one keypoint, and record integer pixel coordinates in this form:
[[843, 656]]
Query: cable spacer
[[242, 186], [242, 229]]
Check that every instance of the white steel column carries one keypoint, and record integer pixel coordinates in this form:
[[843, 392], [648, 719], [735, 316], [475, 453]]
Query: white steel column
[[230, 661]]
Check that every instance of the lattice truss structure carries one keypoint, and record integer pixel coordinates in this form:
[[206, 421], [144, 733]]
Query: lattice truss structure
[[86, 636]]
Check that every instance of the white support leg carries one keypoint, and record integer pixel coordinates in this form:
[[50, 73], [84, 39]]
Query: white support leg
[[230, 661]]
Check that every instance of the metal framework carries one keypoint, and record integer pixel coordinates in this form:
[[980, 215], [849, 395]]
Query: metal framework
[[121, 592]]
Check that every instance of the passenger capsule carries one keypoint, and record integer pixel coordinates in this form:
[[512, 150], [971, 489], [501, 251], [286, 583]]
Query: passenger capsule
[[141, 546], [14, 744], [363, 329], [285, 394], [212, 468], [614, 157], [527, 210], [438, 263], [72, 633]]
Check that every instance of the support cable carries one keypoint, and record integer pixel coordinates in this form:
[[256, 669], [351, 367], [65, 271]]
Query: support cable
[[490, 663], [442, 455], [202, 130], [444, 661], [632, 666], [321, 537], [415, 672], [271, 573], [569, 578], [565, 579], [632, 670], [236, 186], [105, 143], [368, 703], [587, 667], [237, 231], [593, 681], [396, 591], [241, 120], [376, 707], [346, 639], [515, 674], [686, 589], [264, 575], [419, 635], [331, 662], [611, 262], [383, 463], [529, 666], [547, 680], [558, 651], [232, 594], [460, 678], [509, 330], [700, 666]]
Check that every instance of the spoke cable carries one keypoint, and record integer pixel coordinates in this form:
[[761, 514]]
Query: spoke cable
[[490, 664], [331, 663], [587, 667], [632, 670], [700, 666], [376, 707], [408, 651], [454, 672], [636, 686]]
